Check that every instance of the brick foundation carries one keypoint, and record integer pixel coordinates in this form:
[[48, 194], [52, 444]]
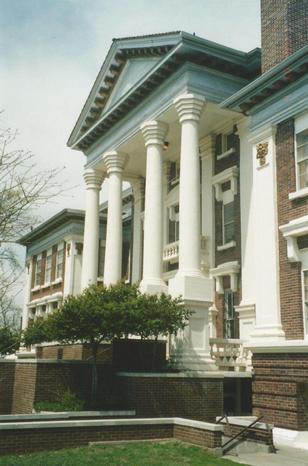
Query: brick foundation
[[30, 438], [280, 388], [192, 398]]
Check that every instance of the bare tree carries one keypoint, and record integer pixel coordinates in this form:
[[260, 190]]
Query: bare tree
[[23, 189]]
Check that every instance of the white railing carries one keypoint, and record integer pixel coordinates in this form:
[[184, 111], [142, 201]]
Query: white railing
[[171, 250], [230, 354]]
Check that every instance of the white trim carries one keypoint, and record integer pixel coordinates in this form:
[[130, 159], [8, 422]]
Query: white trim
[[291, 231], [226, 153], [112, 422], [298, 194], [230, 174], [229, 245], [230, 269], [286, 346]]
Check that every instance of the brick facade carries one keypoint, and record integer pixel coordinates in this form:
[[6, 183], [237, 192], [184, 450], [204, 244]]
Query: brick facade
[[290, 273], [284, 29], [234, 253], [193, 398], [280, 389]]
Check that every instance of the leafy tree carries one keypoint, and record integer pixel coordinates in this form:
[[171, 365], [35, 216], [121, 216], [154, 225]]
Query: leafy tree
[[9, 340], [100, 314]]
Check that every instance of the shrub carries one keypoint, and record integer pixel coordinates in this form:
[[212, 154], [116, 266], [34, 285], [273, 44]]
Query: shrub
[[68, 401]]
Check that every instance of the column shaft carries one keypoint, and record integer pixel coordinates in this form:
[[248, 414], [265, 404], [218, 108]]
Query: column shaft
[[189, 247], [113, 255], [152, 281], [91, 228]]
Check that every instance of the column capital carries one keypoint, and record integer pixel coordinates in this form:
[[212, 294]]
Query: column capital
[[189, 106], [154, 132], [115, 161], [93, 178]]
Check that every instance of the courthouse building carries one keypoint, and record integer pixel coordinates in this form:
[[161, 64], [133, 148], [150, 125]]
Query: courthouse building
[[214, 143]]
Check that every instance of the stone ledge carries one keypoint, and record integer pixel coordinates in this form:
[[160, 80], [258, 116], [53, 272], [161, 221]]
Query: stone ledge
[[206, 426]]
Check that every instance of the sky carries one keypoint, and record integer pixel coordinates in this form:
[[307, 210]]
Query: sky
[[52, 50]]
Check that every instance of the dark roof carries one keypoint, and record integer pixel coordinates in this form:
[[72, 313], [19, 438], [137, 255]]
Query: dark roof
[[276, 79]]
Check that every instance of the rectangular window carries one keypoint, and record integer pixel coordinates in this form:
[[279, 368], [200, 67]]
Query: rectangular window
[[228, 223], [38, 271], [302, 158], [229, 321], [174, 175], [60, 261], [225, 143], [48, 266], [174, 225]]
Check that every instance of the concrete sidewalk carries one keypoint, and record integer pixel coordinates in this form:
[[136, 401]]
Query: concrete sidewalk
[[285, 456]]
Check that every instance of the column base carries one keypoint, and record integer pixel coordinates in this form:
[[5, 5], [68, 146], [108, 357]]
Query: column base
[[190, 360], [154, 286], [192, 288], [267, 333]]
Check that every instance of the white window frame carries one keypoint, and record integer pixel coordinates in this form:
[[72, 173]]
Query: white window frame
[[224, 242], [38, 261], [60, 247], [298, 187], [305, 311], [47, 279], [225, 152], [300, 125]]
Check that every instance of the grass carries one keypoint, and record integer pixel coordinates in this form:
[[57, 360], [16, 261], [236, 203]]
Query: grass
[[126, 454]]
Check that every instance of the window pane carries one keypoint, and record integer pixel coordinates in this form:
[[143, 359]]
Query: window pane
[[229, 232], [230, 141], [218, 144], [228, 212], [303, 174]]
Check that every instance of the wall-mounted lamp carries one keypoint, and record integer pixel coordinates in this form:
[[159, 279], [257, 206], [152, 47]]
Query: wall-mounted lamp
[[166, 145]]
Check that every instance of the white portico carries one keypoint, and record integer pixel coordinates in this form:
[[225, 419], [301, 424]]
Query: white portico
[[152, 110]]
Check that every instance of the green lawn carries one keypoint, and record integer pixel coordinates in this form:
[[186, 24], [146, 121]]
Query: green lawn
[[129, 454]]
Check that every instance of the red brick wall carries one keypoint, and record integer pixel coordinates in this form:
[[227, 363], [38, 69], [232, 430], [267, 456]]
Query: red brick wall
[[192, 398], [24, 388], [278, 389], [284, 29], [232, 254], [75, 352], [7, 377], [25, 441], [290, 273]]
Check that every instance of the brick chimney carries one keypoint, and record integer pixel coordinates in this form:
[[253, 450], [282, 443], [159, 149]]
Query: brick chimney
[[284, 29]]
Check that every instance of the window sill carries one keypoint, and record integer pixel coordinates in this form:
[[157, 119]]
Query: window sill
[[229, 245], [298, 194], [56, 281], [226, 153], [36, 288], [46, 285]]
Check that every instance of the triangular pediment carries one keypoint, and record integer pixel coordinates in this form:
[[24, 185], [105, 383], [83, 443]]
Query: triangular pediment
[[127, 62]]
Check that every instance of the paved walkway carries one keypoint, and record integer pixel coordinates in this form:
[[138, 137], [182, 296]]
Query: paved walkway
[[285, 456]]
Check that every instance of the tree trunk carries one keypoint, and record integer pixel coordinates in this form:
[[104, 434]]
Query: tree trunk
[[94, 377]]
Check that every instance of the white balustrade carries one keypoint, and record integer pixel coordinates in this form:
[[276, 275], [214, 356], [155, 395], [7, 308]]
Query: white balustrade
[[230, 354], [171, 250]]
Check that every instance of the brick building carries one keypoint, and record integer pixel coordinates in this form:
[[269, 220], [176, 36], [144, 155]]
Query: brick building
[[214, 143], [54, 253]]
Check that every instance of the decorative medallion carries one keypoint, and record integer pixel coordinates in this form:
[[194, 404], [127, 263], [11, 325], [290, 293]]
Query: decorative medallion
[[262, 151]]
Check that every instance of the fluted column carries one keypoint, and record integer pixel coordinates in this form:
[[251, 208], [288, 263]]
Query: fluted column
[[115, 162], [93, 179], [138, 192], [189, 109], [154, 133]]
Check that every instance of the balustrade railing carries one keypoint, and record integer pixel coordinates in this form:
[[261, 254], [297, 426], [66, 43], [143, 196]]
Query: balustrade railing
[[230, 354]]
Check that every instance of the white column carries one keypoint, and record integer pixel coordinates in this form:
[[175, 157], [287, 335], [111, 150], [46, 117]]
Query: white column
[[93, 179], [193, 349], [189, 109], [138, 193], [113, 256], [267, 294], [154, 133], [25, 312]]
